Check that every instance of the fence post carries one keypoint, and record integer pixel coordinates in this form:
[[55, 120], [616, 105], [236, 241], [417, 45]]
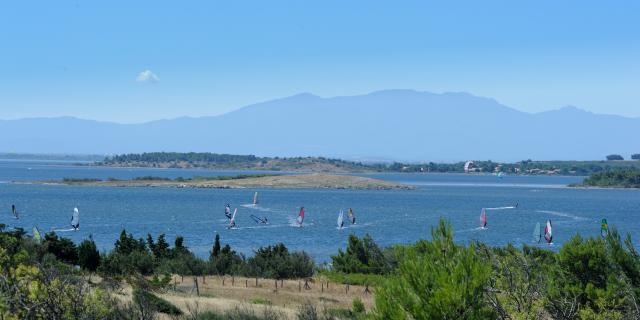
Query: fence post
[[246, 283], [195, 281]]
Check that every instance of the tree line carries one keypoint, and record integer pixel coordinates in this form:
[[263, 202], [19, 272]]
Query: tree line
[[213, 160]]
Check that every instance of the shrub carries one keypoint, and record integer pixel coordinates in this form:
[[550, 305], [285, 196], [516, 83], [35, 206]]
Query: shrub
[[88, 255], [158, 304]]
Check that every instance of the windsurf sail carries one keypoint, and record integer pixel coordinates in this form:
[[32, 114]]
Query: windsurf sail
[[232, 222], [36, 234], [352, 216], [467, 166], [500, 174], [300, 217], [341, 219], [75, 219], [259, 220], [548, 235], [537, 235], [483, 218], [14, 211], [604, 228], [255, 198]]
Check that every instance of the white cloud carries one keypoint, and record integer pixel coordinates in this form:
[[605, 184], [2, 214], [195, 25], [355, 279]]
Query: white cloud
[[147, 77]]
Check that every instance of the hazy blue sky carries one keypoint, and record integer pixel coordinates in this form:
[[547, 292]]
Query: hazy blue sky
[[131, 61]]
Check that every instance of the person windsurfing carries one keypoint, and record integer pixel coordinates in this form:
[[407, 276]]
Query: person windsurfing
[[352, 216], [227, 211], [300, 217], [548, 235], [14, 211], [75, 219], [604, 228], [232, 221]]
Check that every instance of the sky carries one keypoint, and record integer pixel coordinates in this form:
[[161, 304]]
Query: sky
[[136, 61]]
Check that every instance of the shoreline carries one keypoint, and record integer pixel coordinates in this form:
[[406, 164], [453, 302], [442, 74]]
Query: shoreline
[[289, 181]]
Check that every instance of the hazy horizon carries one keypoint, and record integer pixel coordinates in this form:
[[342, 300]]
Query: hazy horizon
[[313, 94]]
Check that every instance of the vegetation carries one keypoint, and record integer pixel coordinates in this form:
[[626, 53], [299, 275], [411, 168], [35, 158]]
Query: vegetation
[[622, 178], [614, 157], [635, 156], [224, 161], [588, 278]]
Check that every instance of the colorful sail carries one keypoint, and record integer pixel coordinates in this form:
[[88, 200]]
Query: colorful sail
[[255, 198], [300, 217], [37, 237], [352, 216], [548, 235], [75, 219], [341, 219], [483, 218], [604, 228], [537, 235]]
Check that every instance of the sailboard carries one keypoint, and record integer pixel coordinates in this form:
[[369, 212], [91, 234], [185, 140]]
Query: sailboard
[[537, 234], [232, 221], [500, 175], [259, 220], [483, 218], [604, 228], [548, 235], [75, 219], [352, 216], [300, 217], [340, 219], [36, 234], [255, 198]]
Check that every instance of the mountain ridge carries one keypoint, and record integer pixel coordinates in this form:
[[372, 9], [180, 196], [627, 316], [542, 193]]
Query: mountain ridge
[[398, 124]]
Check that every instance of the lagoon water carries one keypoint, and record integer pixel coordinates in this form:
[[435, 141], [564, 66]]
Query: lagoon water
[[398, 216]]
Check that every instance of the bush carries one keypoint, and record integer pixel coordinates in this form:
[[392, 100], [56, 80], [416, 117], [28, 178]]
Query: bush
[[64, 249], [278, 263], [635, 156], [436, 279], [613, 157], [88, 255], [158, 304]]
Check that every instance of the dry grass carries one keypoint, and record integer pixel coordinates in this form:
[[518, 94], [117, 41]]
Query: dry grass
[[240, 291]]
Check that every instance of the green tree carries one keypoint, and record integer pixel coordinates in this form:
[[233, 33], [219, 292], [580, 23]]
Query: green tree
[[635, 156], [88, 255], [362, 256], [64, 249], [215, 252], [613, 157], [436, 279]]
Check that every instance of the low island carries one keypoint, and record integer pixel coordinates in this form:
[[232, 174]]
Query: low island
[[306, 181], [617, 178]]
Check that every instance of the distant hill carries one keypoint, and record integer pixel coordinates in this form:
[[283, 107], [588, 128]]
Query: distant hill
[[395, 124]]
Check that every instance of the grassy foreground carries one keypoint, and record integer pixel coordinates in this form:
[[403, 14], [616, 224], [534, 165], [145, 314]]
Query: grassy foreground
[[52, 278]]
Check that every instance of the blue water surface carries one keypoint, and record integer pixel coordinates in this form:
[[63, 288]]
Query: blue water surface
[[390, 216]]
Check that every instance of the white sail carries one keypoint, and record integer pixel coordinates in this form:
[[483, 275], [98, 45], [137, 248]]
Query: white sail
[[255, 198], [341, 219], [537, 235], [75, 218], [232, 222]]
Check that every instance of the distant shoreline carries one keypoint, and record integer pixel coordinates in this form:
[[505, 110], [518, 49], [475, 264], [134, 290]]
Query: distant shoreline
[[294, 181]]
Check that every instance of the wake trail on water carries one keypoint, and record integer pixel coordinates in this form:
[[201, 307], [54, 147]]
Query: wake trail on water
[[262, 227], [562, 214], [501, 208], [64, 230], [471, 230]]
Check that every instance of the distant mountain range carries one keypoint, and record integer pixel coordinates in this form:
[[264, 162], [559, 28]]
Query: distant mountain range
[[393, 124]]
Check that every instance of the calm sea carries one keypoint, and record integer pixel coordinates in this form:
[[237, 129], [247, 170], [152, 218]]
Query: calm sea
[[399, 216]]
